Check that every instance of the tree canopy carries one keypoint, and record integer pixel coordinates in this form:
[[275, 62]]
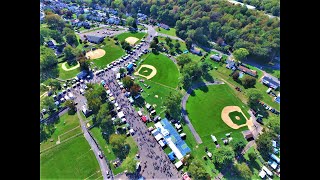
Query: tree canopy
[[172, 104], [197, 170], [223, 155], [264, 144], [243, 171], [130, 164], [48, 64], [240, 54]]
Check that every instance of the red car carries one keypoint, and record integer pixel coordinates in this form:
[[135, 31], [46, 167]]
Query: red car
[[144, 119]]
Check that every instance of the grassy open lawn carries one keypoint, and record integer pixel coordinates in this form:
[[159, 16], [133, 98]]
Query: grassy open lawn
[[67, 74], [70, 160], [107, 149], [63, 126], [125, 35], [167, 71], [155, 89], [113, 52], [171, 31]]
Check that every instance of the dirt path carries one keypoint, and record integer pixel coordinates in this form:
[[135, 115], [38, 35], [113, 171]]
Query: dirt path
[[69, 69], [226, 119]]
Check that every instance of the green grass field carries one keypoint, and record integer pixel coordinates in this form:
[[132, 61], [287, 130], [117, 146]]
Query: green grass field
[[171, 31], [67, 74], [207, 119], [113, 52], [107, 149], [70, 128], [123, 36], [167, 71], [233, 115], [70, 160], [145, 71], [155, 89]]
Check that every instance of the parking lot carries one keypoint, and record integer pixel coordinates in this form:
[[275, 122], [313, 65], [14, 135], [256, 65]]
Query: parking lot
[[102, 32]]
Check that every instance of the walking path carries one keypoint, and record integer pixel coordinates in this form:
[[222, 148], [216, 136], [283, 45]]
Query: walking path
[[69, 69], [184, 111]]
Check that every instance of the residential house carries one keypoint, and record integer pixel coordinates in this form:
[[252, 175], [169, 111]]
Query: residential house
[[230, 64], [196, 51], [164, 26], [247, 71], [215, 57], [142, 16], [113, 20], [270, 82], [112, 11], [95, 38]]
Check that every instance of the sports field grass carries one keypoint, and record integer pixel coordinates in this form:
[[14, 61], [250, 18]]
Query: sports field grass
[[167, 71], [113, 52], [70, 160], [145, 71], [123, 36], [67, 74], [207, 119], [171, 31], [70, 128], [233, 115], [155, 89]]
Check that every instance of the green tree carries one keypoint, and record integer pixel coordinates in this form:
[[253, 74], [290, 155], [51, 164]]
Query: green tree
[[66, 31], [71, 105], [252, 156], [107, 128], [264, 144], [274, 124], [235, 75], [119, 147], [243, 171], [48, 104], [122, 70], [254, 96], [84, 63], [70, 53], [177, 45], [81, 17], [172, 104], [130, 164], [154, 10], [240, 54], [188, 42], [54, 21], [41, 39], [103, 113], [95, 98], [153, 45], [71, 39], [223, 155], [57, 36], [193, 69], [129, 21], [134, 24], [186, 81], [48, 64], [134, 89], [168, 40], [183, 59], [238, 145], [54, 84], [197, 170], [127, 82], [156, 40], [249, 81]]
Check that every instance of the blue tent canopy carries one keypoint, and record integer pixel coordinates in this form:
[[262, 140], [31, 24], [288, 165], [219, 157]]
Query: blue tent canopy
[[171, 156], [130, 66]]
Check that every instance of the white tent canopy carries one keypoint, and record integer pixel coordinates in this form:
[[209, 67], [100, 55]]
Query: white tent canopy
[[158, 136], [214, 139], [120, 114], [178, 164]]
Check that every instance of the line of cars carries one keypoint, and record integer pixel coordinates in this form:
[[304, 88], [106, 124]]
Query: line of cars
[[269, 108]]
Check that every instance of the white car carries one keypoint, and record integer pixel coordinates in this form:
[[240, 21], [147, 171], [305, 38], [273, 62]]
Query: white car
[[139, 113]]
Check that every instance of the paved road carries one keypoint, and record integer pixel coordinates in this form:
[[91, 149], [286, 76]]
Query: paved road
[[184, 111], [154, 162], [102, 162]]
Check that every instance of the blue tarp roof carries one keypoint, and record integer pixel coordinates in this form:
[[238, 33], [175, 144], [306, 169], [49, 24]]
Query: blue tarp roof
[[82, 74], [130, 66]]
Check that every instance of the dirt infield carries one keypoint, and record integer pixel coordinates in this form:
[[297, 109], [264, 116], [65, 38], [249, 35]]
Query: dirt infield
[[131, 40], [226, 119], [151, 75], [63, 66], [98, 53]]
